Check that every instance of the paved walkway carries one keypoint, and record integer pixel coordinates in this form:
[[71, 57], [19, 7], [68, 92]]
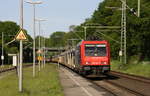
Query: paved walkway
[[75, 85]]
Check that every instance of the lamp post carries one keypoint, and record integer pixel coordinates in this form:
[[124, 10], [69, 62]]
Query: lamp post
[[43, 48], [2, 57], [44, 51], [39, 20], [139, 1], [21, 47], [34, 3]]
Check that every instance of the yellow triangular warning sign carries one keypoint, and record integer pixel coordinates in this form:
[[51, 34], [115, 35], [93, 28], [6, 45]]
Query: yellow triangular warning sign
[[39, 52], [21, 35]]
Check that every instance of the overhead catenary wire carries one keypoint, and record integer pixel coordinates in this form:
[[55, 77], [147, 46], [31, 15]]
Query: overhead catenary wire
[[93, 25], [10, 42], [109, 37], [77, 35]]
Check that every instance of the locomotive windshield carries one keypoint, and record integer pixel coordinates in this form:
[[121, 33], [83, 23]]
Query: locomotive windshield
[[95, 50]]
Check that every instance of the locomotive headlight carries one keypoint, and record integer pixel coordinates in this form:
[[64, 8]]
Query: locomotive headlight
[[87, 63], [104, 62]]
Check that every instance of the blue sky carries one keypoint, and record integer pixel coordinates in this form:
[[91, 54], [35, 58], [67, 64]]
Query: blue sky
[[60, 14]]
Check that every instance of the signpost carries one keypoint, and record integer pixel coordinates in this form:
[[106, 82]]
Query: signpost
[[40, 58], [21, 48], [20, 36]]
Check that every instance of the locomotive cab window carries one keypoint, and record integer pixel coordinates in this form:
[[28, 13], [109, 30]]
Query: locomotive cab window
[[95, 50]]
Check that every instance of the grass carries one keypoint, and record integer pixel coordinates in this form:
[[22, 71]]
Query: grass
[[141, 69], [46, 83]]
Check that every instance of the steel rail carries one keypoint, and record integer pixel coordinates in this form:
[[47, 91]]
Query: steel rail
[[12, 68], [129, 76]]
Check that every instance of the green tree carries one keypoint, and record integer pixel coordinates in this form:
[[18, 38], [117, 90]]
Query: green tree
[[138, 29], [10, 29], [57, 39]]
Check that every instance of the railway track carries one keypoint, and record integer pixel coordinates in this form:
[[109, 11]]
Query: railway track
[[7, 69], [136, 85], [13, 68], [129, 76], [121, 84]]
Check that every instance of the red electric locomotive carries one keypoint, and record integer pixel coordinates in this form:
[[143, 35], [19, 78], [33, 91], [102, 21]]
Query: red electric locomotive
[[92, 57], [88, 57]]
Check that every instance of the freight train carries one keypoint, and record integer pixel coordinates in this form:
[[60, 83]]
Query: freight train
[[87, 58]]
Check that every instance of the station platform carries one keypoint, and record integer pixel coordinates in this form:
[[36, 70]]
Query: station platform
[[75, 85]]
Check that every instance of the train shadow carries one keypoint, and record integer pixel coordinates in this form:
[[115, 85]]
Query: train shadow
[[102, 77]]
